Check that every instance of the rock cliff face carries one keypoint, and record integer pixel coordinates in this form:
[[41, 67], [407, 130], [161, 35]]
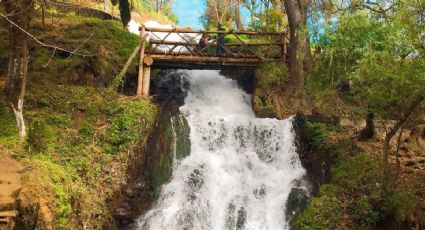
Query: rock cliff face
[[169, 140]]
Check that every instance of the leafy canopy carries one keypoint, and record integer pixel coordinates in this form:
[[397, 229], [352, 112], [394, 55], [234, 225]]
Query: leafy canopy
[[380, 58]]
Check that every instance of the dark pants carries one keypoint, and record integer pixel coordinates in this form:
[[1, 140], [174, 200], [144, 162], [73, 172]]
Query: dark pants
[[220, 47]]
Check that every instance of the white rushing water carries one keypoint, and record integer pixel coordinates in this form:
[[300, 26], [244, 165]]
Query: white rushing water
[[240, 170]]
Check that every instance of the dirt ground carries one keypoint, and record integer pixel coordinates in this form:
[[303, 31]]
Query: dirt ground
[[10, 184]]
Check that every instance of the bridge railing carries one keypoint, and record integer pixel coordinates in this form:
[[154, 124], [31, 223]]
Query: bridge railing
[[239, 44]]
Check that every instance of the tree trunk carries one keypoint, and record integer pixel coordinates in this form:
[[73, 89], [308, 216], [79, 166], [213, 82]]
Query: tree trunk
[[106, 5], [43, 15], [238, 20], [389, 135], [18, 58], [299, 47], [367, 132]]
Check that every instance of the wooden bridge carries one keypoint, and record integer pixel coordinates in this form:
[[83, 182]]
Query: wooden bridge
[[180, 49]]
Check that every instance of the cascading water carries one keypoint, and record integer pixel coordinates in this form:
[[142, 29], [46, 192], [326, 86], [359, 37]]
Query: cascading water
[[240, 170]]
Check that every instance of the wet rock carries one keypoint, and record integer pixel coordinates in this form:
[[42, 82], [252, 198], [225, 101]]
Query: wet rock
[[296, 203], [130, 193], [170, 85], [124, 214]]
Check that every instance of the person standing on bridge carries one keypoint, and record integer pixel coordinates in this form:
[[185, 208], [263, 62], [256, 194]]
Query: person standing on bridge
[[203, 42], [221, 42]]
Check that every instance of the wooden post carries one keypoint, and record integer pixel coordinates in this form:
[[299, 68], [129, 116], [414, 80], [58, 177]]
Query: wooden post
[[142, 56], [147, 62], [146, 80]]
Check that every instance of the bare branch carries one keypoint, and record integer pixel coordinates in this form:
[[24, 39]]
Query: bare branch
[[51, 57], [44, 44], [82, 44]]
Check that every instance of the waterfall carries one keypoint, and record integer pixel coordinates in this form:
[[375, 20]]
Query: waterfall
[[240, 171]]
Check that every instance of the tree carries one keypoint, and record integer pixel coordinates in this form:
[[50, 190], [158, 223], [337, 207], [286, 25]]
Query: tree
[[218, 12], [238, 20], [125, 10], [382, 58], [18, 57], [227, 13], [252, 6], [299, 46], [18, 16]]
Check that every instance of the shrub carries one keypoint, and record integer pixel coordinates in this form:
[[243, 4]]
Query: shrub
[[271, 74], [316, 133], [39, 135], [264, 107], [364, 213], [323, 212], [119, 134], [398, 200]]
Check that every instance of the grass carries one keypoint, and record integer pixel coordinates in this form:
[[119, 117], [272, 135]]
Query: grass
[[82, 156], [8, 132], [109, 42], [79, 137]]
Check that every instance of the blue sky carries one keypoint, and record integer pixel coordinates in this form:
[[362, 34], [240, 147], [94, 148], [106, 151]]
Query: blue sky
[[189, 12]]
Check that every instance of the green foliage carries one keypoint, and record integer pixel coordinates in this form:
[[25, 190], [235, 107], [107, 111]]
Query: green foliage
[[8, 132], [323, 212], [119, 134], [356, 183], [264, 107], [358, 176], [86, 130], [123, 128], [269, 20], [365, 213], [380, 59], [111, 43], [69, 124], [165, 14], [40, 135], [271, 75], [57, 176], [76, 163], [316, 133], [399, 200]]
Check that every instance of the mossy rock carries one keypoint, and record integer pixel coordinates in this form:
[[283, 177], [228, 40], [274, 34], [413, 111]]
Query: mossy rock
[[296, 203], [263, 106], [182, 130]]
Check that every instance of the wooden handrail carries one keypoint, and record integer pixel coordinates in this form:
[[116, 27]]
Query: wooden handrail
[[190, 31], [160, 42]]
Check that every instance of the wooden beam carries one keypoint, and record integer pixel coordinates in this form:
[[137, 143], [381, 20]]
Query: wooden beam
[[188, 55], [203, 65], [193, 58]]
